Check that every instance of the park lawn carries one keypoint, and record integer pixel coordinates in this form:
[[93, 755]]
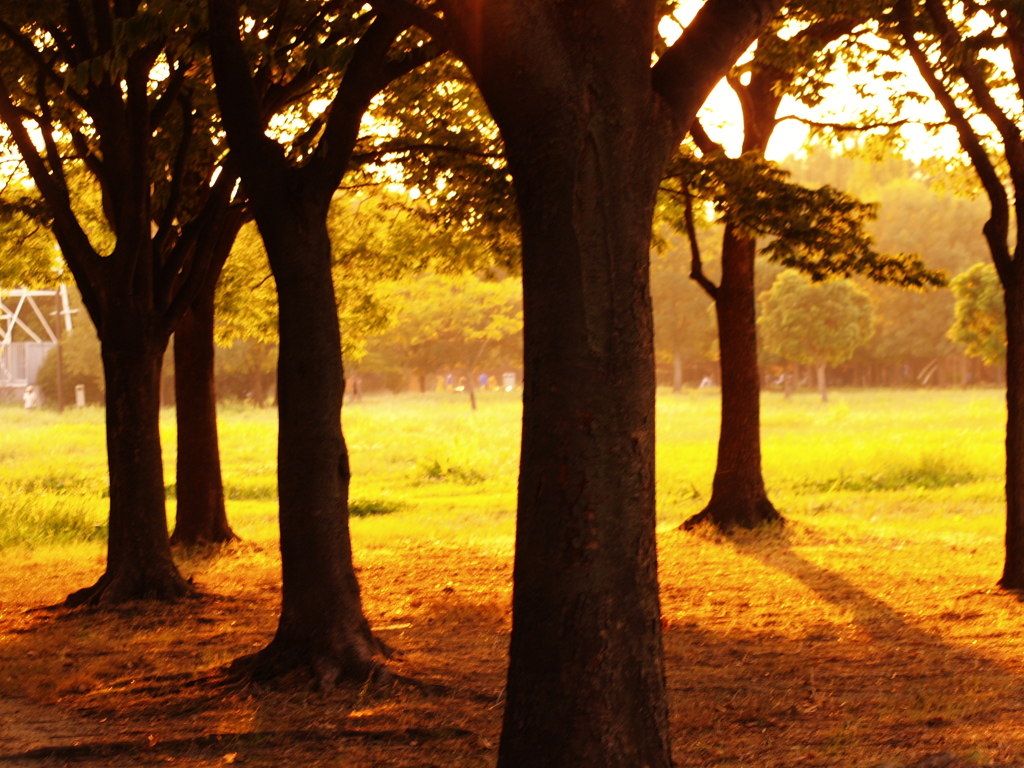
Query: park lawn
[[867, 632]]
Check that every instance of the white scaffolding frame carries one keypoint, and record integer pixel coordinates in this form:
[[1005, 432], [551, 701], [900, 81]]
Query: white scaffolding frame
[[16, 304]]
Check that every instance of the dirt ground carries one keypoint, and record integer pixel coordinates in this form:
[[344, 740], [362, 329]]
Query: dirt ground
[[802, 648]]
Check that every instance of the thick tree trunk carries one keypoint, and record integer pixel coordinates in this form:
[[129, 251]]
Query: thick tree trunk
[[200, 516], [586, 679], [322, 628], [738, 495], [1013, 569], [139, 563]]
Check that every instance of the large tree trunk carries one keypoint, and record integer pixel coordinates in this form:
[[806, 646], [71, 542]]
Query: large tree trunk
[[200, 516], [322, 628], [738, 495], [587, 139], [586, 677], [1013, 569], [139, 563]]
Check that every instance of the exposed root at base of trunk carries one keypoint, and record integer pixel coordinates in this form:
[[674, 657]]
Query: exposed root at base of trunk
[[114, 589], [361, 661], [225, 536], [728, 515]]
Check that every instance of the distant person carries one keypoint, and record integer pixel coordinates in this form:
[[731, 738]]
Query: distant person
[[30, 398], [483, 381], [705, 383]]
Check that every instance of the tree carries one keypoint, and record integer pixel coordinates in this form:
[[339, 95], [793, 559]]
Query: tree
[[820, 231], [588, 127], [290, 185], [980, 313], [922, 208], [451, 323], [200, 514], [114, 89], [816, 324], [684, 329], [968, 55]]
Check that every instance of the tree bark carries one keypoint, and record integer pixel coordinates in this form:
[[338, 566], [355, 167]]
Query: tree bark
[[738, 495], [1013, 568], [588, 129], [200, 516], [322, 628], [586, 677], [139, 563]]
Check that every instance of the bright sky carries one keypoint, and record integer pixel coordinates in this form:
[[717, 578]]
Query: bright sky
[[722, 119]]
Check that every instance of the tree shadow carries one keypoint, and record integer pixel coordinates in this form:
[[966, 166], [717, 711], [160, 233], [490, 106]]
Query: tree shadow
[[852, 681]]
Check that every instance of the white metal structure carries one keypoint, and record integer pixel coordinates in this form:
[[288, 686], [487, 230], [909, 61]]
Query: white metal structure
[[28, 332]]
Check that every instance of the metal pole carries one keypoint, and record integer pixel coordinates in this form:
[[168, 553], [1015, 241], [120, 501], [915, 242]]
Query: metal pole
[[60, 357]]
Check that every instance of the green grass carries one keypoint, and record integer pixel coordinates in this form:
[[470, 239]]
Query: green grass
[[427, 467]]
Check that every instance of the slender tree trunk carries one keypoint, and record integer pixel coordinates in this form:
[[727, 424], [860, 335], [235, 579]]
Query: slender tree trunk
[[257, 353], [471, 388], [819, 370], [139, 563], [677, 368], [200, 516], [322, 628], [738, 495], [1013, 569]]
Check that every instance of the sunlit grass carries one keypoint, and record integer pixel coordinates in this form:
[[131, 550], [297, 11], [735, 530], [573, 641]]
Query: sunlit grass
[[426, 466]]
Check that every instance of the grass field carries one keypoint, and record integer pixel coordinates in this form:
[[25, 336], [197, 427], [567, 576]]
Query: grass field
[[868, 631]]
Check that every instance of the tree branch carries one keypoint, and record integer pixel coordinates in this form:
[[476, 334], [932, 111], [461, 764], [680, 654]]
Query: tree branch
[[170, 211], [1013, 147], [854, 127], [238, 98], [704, 143], [719, 34], [84, 263], [996, 229], [696, 265]]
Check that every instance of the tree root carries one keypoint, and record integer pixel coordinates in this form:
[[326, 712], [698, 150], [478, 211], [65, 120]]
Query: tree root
[[727, 516], [126, 586]]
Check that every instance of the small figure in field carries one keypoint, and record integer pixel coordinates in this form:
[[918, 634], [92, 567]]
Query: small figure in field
[[706, 382], [30, 398]]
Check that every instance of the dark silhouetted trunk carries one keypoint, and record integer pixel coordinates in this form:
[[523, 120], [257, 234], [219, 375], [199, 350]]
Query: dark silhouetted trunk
[[139, 563], [587, 140], [200, 516], [1013, 294], [585, 674], [322, 627], [738, 495]]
